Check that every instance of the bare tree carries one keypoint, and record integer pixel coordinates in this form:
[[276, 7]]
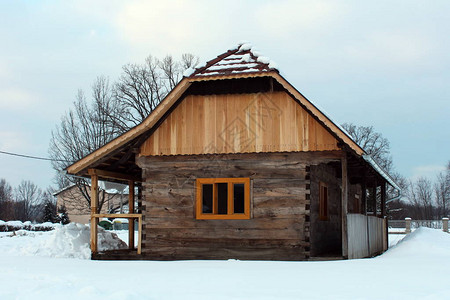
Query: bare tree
[[442, 192], [138, 91], [83, 130], [372, 142], [420, 194], [378, 147], [28, 201], [189, 61], [6, 200], [141, 88]]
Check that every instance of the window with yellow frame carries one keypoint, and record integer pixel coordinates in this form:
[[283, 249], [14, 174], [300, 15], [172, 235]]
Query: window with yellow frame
[[223, 198]]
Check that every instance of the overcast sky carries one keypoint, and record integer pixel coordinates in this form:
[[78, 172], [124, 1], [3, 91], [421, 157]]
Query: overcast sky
[[380, 63]]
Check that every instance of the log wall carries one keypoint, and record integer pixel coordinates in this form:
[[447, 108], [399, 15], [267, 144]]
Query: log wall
[[279, 224], [326, 234]]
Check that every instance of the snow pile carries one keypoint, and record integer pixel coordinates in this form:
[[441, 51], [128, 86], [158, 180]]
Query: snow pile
[[18, 225], [71, 241], [267, 61], [421, 242], [245, 47], [189, 71]]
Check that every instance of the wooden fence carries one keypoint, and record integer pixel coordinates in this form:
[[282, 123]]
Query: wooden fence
[[405, 226], [366, 235]]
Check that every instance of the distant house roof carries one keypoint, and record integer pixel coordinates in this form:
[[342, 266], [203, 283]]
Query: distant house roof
[[63, 189], [104, 185]]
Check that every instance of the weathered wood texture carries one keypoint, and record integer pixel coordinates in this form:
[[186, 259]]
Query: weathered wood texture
[[355, 195], [279, 224], [94, 210], [344, 206], [365, 236], [358, 236], [326, 234], [238, 123]]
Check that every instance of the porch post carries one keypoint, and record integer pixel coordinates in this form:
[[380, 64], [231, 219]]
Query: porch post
[[383, 199], [131, 211], [364, 194], [344, 206], [445, 224], [408, 225], [383, 215], [94, 210]]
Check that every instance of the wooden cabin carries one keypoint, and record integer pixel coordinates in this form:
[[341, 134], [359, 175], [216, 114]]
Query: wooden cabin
[[235, 163]]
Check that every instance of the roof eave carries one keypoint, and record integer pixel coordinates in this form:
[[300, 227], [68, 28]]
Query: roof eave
[[381, 171], [84, 163], [320, 115]]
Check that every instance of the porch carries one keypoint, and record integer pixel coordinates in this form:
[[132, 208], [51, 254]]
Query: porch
[[132, 215]]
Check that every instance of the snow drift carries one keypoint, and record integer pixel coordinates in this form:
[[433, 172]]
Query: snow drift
[[19, 225], [70, 241], [421, 243]]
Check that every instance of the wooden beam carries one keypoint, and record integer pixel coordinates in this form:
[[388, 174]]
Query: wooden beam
[[231, 76], [130, 217], [139, 249], [374, 199], [112, 175], [131, 210], [135, 216], [383, 199], [383, 214], [94, 211], [364, 194], [344, 207]]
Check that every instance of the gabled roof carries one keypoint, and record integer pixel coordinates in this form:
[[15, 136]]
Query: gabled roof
[[241, 62]]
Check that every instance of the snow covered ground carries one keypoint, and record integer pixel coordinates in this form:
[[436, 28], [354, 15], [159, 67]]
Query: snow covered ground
[[416, 268]]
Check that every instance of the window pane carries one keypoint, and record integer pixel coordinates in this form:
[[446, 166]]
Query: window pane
[[207, 204], [222, 198], [239, 196]]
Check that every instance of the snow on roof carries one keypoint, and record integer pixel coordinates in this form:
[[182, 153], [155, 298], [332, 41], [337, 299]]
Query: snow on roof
[[242, 59], [109, 187]]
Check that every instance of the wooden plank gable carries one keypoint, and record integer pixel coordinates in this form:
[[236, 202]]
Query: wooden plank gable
[[238, 123]]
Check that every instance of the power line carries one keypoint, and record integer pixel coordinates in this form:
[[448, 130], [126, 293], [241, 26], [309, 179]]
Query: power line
[[34, 157]]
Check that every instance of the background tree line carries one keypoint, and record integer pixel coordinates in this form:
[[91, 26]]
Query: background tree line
[[425, 198], [27, 202]]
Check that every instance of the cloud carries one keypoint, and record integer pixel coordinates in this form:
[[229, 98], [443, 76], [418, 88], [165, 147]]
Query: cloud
[[288, 18], [17, 99], [428, 171], [5, 71], [175, 26], [398, 48], [12, 141]]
